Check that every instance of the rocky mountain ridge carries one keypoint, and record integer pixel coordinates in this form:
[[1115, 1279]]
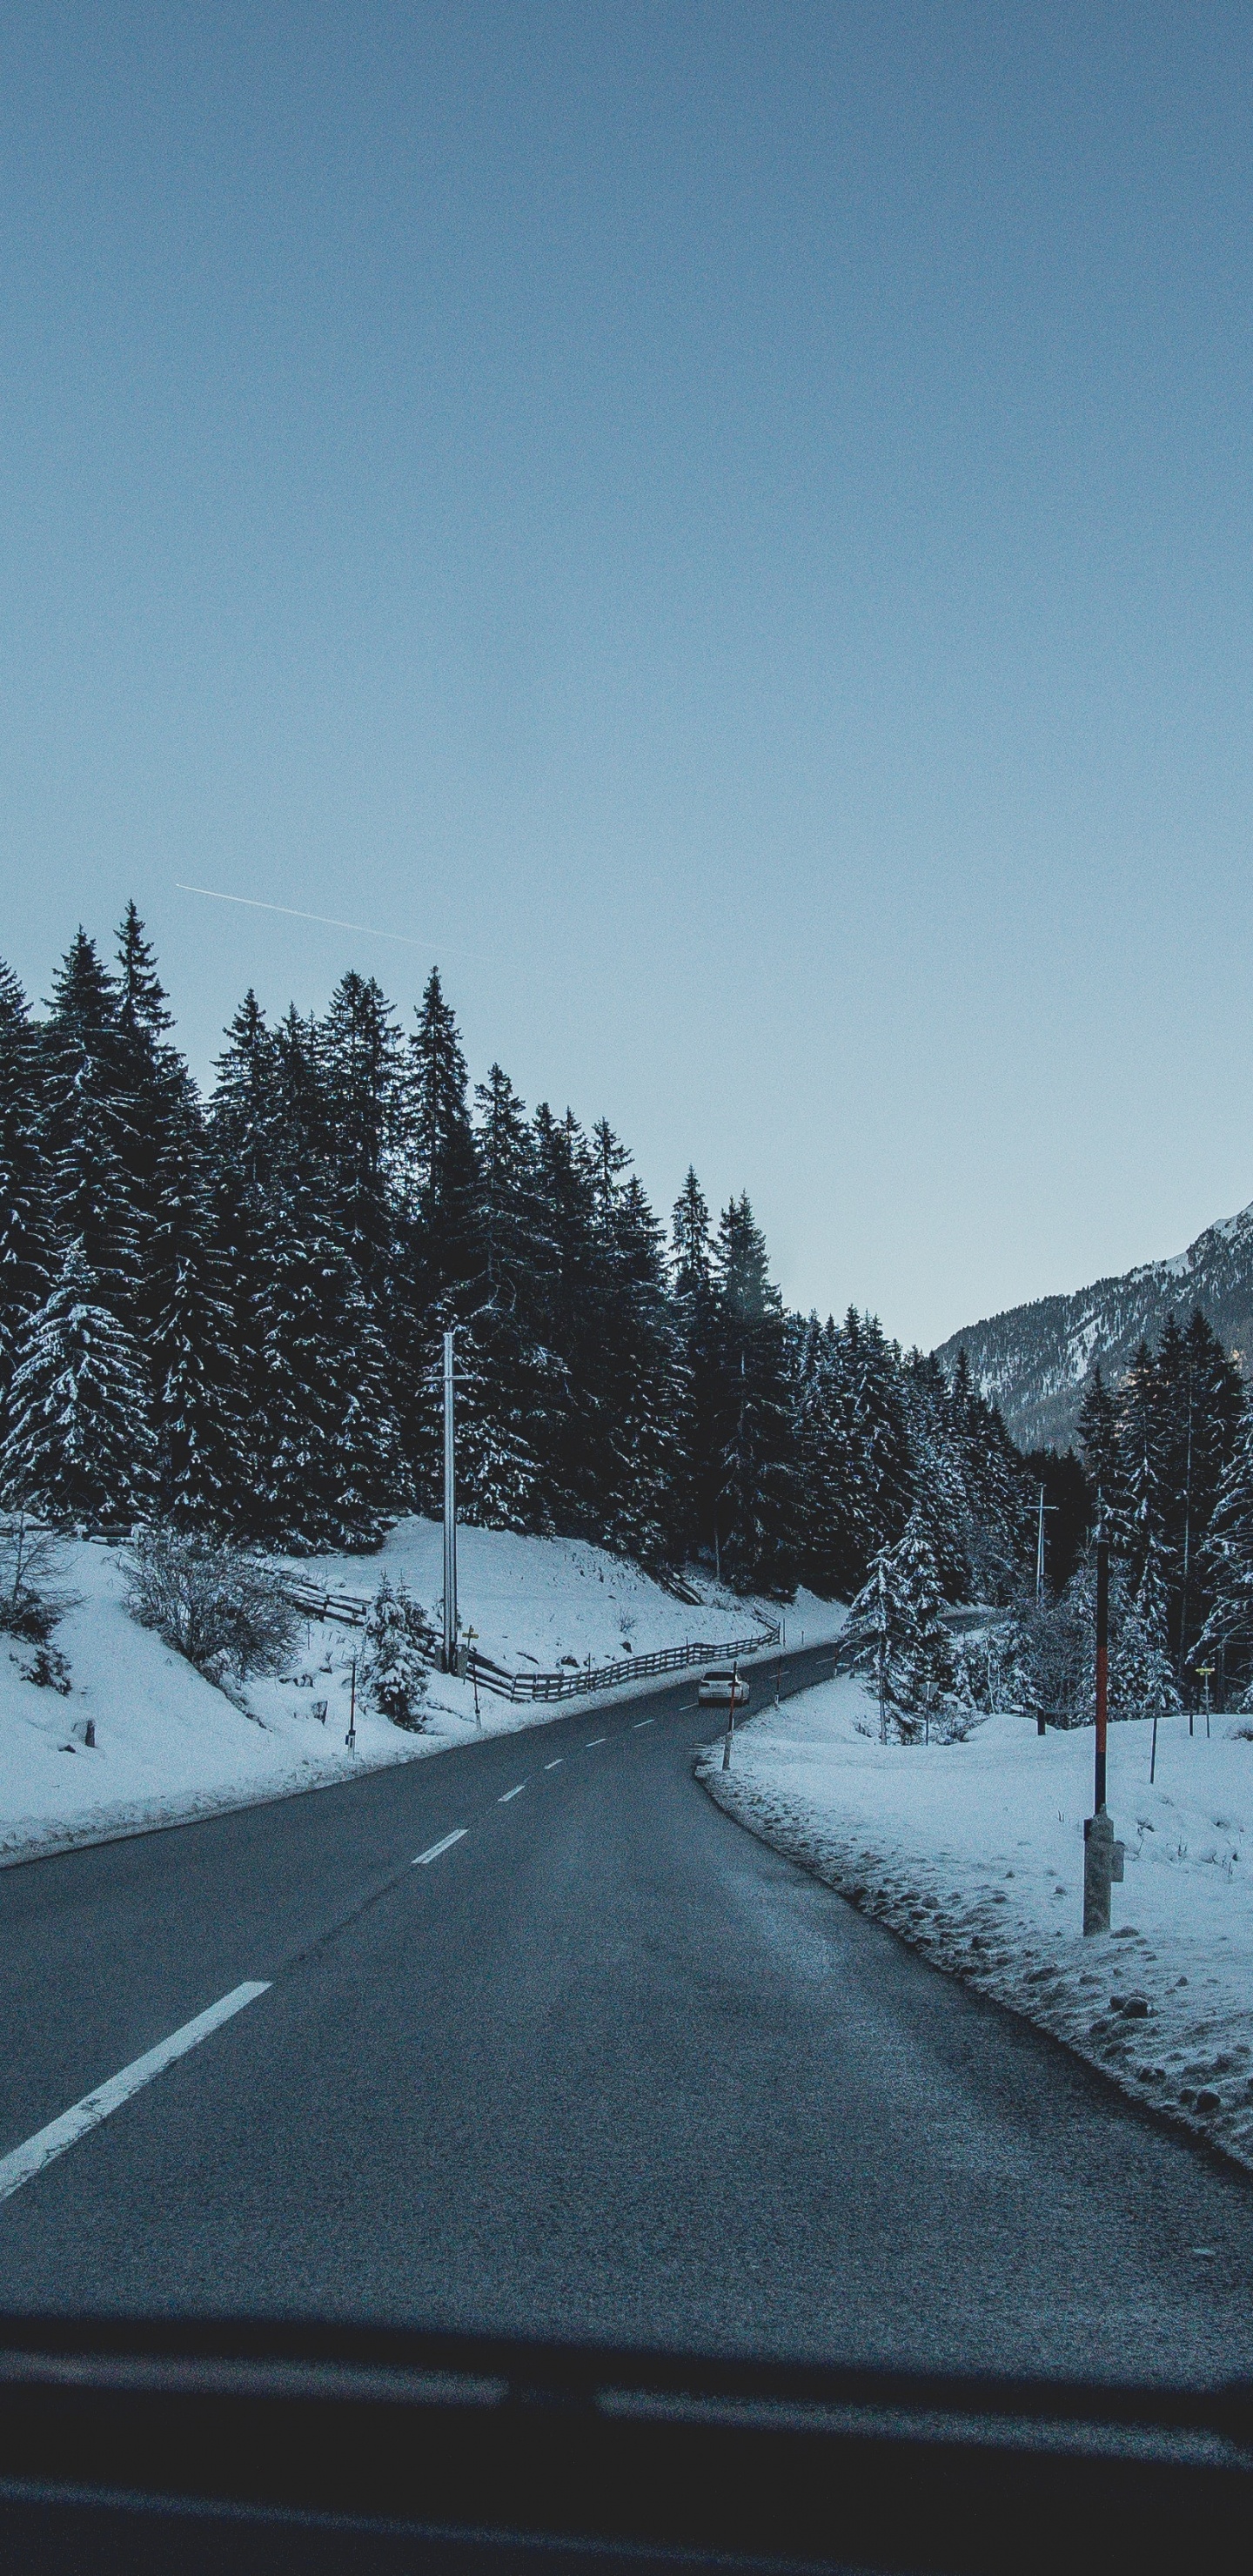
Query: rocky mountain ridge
[[1035, 1360]]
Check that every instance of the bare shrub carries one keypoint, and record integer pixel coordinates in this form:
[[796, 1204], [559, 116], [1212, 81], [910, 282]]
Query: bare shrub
[[30, 1558], [217, 1605]]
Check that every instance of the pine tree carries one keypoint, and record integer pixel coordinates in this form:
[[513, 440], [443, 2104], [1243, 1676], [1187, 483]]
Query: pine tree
[[895, 1627], [696, 1305], [157, 1105], [328, 1468], [1098, 1443], [1227, 1561], [198, 1415], [1141, 1535], [90, 1127], [443, 1145], [361, 1054], [79, 1448], [245, 1119], [758, 1502], [27, 1254], [395, 1668]]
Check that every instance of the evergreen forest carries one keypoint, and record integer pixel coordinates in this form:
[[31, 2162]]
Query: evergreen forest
[[227, 1313]]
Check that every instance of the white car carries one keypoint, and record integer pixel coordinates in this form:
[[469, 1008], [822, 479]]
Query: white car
[[716, 1687]]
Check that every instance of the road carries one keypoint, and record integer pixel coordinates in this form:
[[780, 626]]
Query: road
[[605, 2066]]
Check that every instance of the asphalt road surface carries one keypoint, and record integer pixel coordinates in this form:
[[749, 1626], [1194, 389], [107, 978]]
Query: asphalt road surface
[[603, 2066]]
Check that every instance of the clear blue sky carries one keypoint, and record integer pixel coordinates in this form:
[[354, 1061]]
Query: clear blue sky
[[727, 525]]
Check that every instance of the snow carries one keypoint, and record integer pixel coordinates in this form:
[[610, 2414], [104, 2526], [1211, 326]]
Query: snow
[[170, 1747], [974, 1853], [532, 1601]]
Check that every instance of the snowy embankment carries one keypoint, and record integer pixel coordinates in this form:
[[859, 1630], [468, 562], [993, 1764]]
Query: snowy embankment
[[169, 1746], [974, 1853]]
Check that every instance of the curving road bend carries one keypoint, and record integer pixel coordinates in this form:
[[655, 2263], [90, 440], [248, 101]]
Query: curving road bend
[[538, 2040]]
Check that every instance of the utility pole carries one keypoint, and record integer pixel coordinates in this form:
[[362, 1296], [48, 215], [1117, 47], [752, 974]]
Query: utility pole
[[1039, 1551], [450, 1516], [1102, 1856]]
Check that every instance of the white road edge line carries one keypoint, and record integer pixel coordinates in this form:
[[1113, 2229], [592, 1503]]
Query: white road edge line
[[457, 1835], [24, 2162], [511, 1793]]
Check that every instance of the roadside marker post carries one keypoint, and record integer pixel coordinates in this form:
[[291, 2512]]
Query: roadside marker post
[[471, 1641], [351, 1737], [726, 1741]]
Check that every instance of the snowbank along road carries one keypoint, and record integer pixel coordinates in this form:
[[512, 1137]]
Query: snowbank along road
[[535, 2037]]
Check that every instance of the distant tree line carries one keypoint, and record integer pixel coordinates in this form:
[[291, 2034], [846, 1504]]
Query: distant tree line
[[226, 1314], [1166, 1460]]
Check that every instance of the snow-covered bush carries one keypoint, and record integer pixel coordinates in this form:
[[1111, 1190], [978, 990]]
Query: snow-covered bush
[[393, 1666], [217, 1605], [49, 1669]]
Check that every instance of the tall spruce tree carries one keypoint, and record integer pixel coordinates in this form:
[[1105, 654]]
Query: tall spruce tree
[[90, 1127], [79, 1447], [758, 1502], [27, 1254]]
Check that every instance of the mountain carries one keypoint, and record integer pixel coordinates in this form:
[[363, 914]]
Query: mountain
[[1035, 1360]]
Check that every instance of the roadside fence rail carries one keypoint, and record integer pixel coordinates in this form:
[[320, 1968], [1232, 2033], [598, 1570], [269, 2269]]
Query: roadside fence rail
[[351, 1609]]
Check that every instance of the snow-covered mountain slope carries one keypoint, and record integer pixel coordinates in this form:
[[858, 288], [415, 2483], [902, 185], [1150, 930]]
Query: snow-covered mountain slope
[[1035, 1359]]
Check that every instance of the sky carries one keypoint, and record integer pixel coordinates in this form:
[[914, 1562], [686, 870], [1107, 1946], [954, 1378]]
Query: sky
[[726, 527]]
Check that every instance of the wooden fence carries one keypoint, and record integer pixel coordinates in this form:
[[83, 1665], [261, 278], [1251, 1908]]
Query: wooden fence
[[351, 1609]]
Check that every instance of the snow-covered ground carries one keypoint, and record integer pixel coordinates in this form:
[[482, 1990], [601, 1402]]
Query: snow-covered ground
[[168, 1746], [974, 1852], [540, 1601]]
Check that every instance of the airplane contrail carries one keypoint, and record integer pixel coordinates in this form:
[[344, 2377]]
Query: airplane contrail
[[291, 912]]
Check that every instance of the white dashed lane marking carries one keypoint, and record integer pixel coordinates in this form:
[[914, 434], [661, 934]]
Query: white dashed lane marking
[[26, 2161], [458, 1835], [511, 1793]]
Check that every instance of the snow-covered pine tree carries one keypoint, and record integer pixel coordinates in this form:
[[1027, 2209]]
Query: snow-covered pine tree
[[79, 1446], [445, 1167], [327, 1468], [1200, 1402], [1227, 1564], [1140, 1676], [571, 1432], [245, 1117], [1098, 1445], [1139, 1532], [643, 1395], [696, 1307], [928, 1657], [27, 1253], [395, 1669], [941, 1470], [361, 1053], [198, 1406], [877, 1434], [758, 1498], [163, 1126], [90, 1127], [895, 1631]]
